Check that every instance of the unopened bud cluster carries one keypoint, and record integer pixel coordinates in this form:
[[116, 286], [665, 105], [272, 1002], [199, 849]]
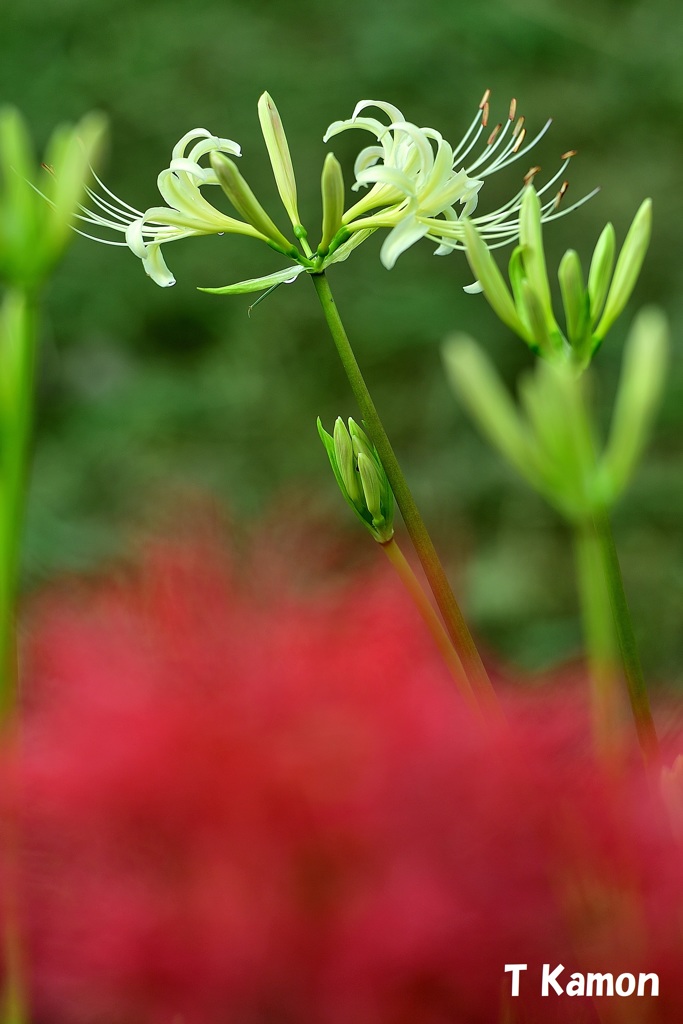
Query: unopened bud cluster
[[39, 202], [590, 307], [361, 477]]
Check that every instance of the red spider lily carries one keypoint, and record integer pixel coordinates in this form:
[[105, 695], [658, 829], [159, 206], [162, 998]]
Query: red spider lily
[[245, 806]]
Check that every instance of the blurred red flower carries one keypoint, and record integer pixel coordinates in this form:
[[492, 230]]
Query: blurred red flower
[[242, 805]]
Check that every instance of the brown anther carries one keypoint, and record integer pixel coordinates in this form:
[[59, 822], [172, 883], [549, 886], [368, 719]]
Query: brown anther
[[531, 174], [485, 115], [569, 154], [493, 134], [558, 197], [48, 168], [518, 127], [520, 139], [513, 109], [484, 99]]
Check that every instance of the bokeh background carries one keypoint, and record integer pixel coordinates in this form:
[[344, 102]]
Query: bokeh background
[[147, 395]]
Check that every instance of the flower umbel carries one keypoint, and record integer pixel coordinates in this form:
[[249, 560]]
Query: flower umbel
[[188, 212], [589, 310], [422, 187]]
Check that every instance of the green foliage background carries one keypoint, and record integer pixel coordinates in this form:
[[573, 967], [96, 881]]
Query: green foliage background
[[147, 393]]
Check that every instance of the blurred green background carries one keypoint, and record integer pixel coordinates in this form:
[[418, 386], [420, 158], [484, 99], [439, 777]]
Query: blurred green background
[[147, 394]]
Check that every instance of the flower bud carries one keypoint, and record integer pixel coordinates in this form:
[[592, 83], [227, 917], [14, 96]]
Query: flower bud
[[346, 461], [361, 477], [486, 271], [600, 273], [640, 387], [280, 159], [38, 205], [531, 240], [370, 480], [332, 188], [531, 308], [574, 298], [475, 381], [243, 199], [628, 267]]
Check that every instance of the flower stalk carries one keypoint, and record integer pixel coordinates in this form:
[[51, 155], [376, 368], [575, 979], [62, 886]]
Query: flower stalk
[[628, 646], [434, 624], [448, 606]]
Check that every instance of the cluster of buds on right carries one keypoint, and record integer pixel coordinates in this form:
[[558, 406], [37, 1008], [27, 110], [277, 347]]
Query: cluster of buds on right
[[549, 436], [361, 477], [38, 204], [590, 308]]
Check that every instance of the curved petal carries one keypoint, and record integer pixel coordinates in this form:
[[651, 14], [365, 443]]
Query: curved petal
[[388, 176], [366, 123], [366, 158], [181, 145], [392, 112], [258, 284], [419, 140], [135, 240], [155, 267], [401, 238]]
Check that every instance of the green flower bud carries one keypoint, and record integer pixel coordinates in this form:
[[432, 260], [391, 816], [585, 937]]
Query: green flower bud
[[245, 202], [628, 267], [574, 299], [531, 239], [600, 273], [531, 309], [640, 388], [361, 478], [346, 461], [361, 441], [486, 271], [372, 490], [280, 158], [38, 205], [475, 381], [332, 188]]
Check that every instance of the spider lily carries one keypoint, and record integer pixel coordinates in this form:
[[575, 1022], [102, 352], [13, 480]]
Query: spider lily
[[422, 187], [417, 182], [188, 212]]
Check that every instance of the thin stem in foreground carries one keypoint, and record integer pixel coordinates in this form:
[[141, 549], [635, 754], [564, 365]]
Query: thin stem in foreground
[[17, 353], [434, 571], [433, 622], [637, 689]]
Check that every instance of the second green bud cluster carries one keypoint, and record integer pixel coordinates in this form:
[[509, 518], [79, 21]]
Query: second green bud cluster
[[590, 308], [361, 477]]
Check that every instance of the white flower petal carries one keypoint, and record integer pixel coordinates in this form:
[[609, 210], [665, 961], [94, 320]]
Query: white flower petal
[[156, 268], [135, 239], [405, 234], [258, 284]]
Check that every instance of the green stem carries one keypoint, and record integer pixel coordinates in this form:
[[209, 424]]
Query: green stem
[[600, 640], [433, 622], [17, 354], [438, 581], [635, 681]]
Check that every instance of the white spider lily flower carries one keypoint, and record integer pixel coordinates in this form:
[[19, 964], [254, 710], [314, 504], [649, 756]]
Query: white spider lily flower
[[418, 179], [188, 212]]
